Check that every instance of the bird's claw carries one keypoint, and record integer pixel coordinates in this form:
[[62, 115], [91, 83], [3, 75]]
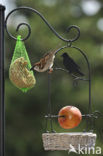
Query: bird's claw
[[50, 71]]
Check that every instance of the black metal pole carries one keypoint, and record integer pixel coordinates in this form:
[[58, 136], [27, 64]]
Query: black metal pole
[[2, 108]]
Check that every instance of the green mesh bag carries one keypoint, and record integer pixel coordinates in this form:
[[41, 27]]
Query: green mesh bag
[[19, 71]]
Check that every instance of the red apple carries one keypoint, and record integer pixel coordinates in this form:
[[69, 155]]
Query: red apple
[[69, 117]]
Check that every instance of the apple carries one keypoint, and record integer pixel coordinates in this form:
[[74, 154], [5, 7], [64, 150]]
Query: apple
[[69, 117]]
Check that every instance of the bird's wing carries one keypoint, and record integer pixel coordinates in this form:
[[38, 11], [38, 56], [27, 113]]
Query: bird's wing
[[43, 61], [45, 54], [49, 53], [73, 63], [37, 64]]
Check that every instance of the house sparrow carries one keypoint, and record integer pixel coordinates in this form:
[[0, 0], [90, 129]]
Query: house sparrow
[[45, 63], [70, 65]]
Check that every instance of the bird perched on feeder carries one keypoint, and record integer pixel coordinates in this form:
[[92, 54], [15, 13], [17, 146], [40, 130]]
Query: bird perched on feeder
[[70, 65], [45, 63]]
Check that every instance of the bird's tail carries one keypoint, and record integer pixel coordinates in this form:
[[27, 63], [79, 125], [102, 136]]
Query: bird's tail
[[58, 47], [81, 74]]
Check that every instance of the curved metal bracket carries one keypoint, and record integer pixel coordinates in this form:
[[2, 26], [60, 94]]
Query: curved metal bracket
[[46, 22]]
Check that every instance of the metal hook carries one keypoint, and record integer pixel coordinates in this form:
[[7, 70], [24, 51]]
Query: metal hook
[[29, 30], [78, 32]]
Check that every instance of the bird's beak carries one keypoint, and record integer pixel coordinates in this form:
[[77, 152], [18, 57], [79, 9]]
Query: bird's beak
[[32, 68]]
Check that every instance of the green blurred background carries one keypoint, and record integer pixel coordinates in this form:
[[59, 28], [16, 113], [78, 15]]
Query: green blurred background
[[25, 112]]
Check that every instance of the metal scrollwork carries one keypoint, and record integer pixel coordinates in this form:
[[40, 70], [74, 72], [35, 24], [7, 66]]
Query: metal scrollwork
[[46, 22]]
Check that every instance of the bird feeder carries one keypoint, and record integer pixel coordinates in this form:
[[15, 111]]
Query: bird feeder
[[52, 140], [63, 141]]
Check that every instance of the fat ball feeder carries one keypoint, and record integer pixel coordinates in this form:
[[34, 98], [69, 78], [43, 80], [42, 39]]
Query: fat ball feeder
[[19, 71], [51, 140]]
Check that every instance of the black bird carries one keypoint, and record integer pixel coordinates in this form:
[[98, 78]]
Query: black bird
[[70, 65]]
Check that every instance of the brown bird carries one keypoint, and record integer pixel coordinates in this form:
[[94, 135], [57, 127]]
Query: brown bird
[[45, 63]]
